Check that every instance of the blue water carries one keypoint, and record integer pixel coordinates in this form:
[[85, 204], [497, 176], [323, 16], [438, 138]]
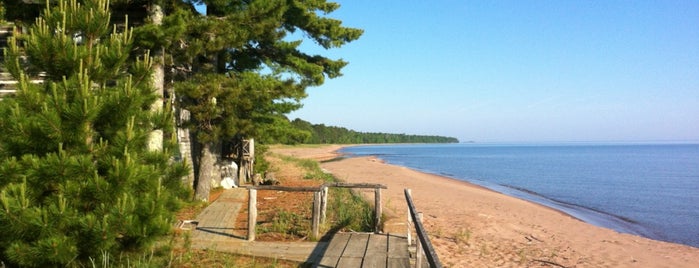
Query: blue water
[[650, 190]]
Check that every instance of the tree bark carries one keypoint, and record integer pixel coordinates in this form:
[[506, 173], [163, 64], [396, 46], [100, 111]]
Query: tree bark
[[155, 142], [205, 174]]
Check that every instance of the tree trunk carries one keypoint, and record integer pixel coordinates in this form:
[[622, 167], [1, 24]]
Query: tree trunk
[[205, 174], [155, 142]]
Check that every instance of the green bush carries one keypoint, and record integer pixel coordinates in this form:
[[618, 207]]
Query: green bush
[[76, 178]]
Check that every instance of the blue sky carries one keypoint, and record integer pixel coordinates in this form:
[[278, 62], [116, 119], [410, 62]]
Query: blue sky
[[516, 70]]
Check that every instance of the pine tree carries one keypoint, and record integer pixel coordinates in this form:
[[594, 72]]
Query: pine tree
[[242, 71], [76, 177]]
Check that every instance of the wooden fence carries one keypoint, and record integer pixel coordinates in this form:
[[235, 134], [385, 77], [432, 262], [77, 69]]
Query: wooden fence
[[320, 203], [424, 246]]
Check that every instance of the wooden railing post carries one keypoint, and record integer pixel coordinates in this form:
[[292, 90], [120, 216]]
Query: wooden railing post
[[410, 220], [424, 243], [316, 214], [420, 252], [252, 213], [378, 210], [324, 204]]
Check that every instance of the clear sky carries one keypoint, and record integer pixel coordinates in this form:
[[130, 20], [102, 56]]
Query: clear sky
[[516, 70]]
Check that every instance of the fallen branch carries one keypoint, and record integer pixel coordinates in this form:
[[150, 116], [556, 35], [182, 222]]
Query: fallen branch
[[549, 263]]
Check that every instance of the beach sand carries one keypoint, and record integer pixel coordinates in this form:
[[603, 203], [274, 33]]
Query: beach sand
[[471, 226]]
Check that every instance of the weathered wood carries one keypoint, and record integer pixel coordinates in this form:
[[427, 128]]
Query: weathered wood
[[356, 246], [252, 214], [354, 185], [398, 255], [349, 262], [397, 247], [324, 204], [430, 252], [334, 251], [366, 250], [409, 222], [318, 188], [315, 224], [420, 252], [337, 245], [397, 263], [376, 254], [354, 251], [378, 210], [284, 188], [328, 261]]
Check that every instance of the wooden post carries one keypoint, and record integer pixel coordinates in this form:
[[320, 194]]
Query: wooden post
[[316, 215], [419, 252], [377, 210], [324, 204], [252, 214], [410, 220]]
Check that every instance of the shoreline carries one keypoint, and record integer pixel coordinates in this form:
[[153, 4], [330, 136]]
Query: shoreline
[[472, 225], [597, 217]]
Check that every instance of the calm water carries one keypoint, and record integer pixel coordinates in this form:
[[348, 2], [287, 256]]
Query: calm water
[[646, 189]]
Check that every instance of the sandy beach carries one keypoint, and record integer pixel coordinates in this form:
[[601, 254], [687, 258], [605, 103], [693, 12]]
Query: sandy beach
[[471, 226]]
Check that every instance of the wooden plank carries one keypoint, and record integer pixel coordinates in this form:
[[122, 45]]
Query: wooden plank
[[377, 243], [328, 261], [337, 245], [374, 261], [350, 262], [356, 246], [376, 251], [354, 185], [285, 188], [397, 247], [334, 251], [398, 263]]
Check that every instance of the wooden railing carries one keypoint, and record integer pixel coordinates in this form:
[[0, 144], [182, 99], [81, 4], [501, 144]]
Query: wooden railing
[[320, 203], [424, 247]]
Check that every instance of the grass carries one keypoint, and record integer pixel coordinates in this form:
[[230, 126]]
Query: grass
[[287, 223], [462, 236], [347, 210]]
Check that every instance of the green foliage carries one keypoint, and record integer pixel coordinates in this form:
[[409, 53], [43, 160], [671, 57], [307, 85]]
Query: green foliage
[[240, 55], [351, 212], [290, 223], [237, 69], [321, 134], [76, 177], [347, 210]]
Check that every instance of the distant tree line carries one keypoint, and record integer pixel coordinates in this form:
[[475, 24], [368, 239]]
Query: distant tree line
[[322, 134]]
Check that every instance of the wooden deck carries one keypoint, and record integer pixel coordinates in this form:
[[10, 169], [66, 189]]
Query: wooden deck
[[216, 231], [366, 250]]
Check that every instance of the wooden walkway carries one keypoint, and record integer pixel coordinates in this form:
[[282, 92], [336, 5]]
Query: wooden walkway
[[216, 231], [366, 250]]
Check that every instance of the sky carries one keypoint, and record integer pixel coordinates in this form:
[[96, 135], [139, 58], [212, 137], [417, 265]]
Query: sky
[[515, 71]]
